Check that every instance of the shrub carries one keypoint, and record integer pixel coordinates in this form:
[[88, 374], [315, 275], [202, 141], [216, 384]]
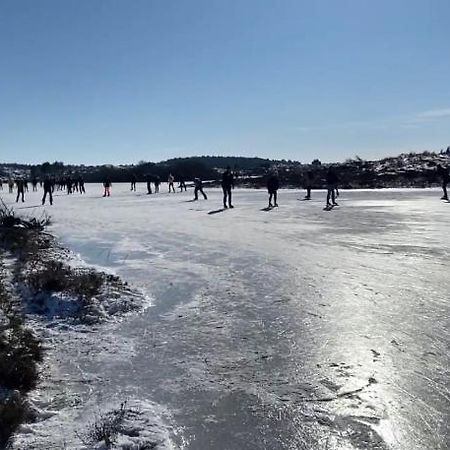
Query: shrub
[[105, 428], [12, 414], [54, 276], [19, 351]]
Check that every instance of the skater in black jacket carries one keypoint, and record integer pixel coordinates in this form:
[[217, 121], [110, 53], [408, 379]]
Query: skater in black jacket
[[273, 184], [48, 189], [332, 182], [227, 185]]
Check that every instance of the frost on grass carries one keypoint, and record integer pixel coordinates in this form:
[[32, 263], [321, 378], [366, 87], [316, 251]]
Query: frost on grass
[[125, 427], [57, 289], [50, 283]]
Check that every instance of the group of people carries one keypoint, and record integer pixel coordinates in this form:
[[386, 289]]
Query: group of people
[[69, 183], [228, 182], [72, 184], [49, 184], [228, 179]]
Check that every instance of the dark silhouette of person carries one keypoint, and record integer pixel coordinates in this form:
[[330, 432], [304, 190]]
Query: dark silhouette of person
[[1, 185], [227, 185], [307, 184], [273, 184], [332, 182], [81, 185], [34, 183], [182, 184], [20, 184], [107, 186], [133, 182], [443, 173], [171, 180], [25, 184], [199, 188], [48, 188], [69, 185], [11, 186], [157, 182]]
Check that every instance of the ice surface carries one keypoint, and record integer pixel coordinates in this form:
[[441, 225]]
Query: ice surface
[[294, 328]]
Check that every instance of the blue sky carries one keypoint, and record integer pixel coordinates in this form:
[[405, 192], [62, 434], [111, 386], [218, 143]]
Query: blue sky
[[95, 81]]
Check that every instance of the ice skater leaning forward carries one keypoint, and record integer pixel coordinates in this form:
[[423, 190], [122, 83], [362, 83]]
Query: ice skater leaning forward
[[227, 185], [332, 189], [199, 188]]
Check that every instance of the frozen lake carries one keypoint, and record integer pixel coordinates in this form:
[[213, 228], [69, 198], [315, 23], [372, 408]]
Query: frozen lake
[[297, 328]]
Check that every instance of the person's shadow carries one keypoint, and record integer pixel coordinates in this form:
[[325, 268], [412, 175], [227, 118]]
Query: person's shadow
[[217, 211]]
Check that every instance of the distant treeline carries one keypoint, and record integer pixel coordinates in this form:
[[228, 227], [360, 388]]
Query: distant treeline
[[204, 167], [405, 170]]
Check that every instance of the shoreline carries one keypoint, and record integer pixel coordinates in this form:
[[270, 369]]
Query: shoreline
[[48, 299]]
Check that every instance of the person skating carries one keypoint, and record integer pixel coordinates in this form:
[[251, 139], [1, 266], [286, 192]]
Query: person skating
[[81, 185], [273, 185], [443, 173], [11, 186], [1, 185], [182, 184], [48, 189], [107, 187], [34, 183], [307, 184], [133, 182], [157, 181], [69, 185], [20, 184], [198, 187], [332, 181], [227, 185], [171, 180]]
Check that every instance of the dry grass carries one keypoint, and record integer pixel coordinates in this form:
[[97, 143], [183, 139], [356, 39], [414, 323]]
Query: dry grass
[[105, 428], [54, 276]]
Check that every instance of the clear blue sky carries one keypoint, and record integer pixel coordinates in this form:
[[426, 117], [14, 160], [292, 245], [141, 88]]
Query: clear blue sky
[[96, 81]]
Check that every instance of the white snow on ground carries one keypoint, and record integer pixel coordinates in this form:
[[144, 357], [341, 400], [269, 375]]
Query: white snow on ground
[[293, 328]]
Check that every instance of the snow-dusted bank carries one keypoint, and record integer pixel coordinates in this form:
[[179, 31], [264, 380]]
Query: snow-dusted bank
[[61, 298], [289, 328]]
